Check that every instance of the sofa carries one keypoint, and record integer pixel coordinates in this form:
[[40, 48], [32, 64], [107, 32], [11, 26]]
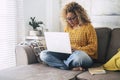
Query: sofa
[[28, 67]]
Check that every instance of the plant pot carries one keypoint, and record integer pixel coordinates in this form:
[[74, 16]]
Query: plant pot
[[35, 33]]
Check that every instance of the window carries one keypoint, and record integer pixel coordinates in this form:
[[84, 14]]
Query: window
[[11, 24]]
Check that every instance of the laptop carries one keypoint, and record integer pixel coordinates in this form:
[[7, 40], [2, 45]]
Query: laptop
[[58, 42]]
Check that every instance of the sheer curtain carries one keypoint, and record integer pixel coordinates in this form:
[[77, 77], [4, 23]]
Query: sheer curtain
[[12, 30]]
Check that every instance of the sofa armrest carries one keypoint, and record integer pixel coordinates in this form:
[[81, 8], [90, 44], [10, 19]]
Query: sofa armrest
[[24, 55]]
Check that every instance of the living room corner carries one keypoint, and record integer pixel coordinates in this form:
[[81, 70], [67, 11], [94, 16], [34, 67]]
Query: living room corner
[[19, 48]]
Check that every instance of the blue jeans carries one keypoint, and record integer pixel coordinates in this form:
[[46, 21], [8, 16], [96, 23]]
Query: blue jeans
[[66, 61]]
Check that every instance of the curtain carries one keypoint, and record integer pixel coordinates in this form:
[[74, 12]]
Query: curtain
[[12, 31]]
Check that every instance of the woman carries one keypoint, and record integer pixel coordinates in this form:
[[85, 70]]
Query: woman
[[82, 37]]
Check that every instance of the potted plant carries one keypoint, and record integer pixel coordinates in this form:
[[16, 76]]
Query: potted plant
[[35, 24]]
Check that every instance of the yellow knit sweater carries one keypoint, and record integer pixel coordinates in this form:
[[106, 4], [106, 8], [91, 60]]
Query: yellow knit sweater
[[83, 38]]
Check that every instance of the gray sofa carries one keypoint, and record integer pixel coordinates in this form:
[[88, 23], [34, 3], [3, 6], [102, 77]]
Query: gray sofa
[[28, 67]]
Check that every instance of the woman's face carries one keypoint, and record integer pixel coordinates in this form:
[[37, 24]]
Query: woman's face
[[72, 19]]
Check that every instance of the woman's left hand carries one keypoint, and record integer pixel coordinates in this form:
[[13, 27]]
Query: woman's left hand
[[73, 49]]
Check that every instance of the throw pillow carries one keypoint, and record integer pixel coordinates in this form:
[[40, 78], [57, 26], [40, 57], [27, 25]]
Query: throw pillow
[[114, 63]]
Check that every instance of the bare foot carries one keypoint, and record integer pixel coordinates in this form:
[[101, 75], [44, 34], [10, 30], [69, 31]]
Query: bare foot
[[78, 69]]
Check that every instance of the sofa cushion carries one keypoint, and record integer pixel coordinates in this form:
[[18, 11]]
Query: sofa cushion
[[114, 43], [108, 76], [26, 53], [36, 72], [103, 35]]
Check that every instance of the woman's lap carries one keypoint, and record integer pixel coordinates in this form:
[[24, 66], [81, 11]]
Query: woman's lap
[[76, 59]]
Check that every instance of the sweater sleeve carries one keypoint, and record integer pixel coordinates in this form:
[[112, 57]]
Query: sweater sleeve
[[91, 47]]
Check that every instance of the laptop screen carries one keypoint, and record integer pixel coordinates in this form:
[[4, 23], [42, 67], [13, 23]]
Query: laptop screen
[[58, 42]]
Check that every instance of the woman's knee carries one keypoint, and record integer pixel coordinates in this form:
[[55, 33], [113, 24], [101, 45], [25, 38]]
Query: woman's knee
[[44, 55]]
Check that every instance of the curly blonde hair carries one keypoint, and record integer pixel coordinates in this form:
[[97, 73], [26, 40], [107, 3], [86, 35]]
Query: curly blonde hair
[[78, 10]]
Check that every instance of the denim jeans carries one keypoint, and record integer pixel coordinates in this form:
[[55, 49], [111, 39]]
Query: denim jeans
[[66, 61]]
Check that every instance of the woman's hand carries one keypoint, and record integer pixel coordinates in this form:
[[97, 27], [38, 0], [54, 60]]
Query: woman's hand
[[73, 49]]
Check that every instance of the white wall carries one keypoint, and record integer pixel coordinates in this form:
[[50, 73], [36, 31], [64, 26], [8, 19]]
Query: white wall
[[34, 8], [53, 15], [46, 10], [49, 12], [103, 13]]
